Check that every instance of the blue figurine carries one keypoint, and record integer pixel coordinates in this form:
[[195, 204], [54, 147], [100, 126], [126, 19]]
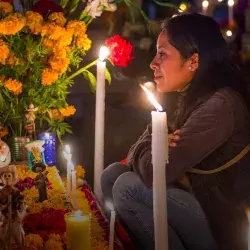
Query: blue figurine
[[35, 153]]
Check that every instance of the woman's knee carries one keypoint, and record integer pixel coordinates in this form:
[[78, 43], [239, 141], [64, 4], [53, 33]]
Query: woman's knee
[[112, 172]]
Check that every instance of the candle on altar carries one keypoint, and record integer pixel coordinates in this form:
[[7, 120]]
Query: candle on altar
[[230, 4], [68, 156], [78, 231], [111, 225], [205, 5], [159, 160], [73, 174], [99, 121]]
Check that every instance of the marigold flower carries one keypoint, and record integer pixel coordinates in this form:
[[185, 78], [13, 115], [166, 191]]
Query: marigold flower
[[12, 60], [76, 27], [49, 76], [33, 241], [12, 24], [57, 18], [3, 132], [4, 52], [59, 52], [59, 64], [48, 43], [53, 31], [80, 171], [54, 242], [83, 41], [34, 22], [68, 111], [6, 8], [55, 114], [13, 86], [65, 39]]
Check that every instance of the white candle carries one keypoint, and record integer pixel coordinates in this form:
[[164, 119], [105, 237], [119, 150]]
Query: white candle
[[230, 4], [74, 188], [99, 122], [111, 226], [159, 160], [205, 5], [68, 156]]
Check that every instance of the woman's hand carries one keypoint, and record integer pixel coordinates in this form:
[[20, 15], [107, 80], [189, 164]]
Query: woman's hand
[[174, 138]]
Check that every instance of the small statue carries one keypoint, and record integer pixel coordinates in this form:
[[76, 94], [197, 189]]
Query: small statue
[[30, 123], [4, 154], [12, 209], [41, 181], [35, 153]]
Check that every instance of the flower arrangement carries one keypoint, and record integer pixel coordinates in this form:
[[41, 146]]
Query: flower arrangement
[[41, 51]]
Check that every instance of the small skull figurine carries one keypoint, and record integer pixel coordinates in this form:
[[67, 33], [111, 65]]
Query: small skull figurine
[[9, 178]]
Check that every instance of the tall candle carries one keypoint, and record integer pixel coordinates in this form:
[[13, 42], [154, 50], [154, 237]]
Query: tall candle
[[67, 155], [78, 231], [230, 4], [159, 160], [111, 226], [99, 122], [74, 188]]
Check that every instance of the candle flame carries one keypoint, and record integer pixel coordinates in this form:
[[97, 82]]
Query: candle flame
[[67, 149], [205, 4], [152, 98], [78, 213], [110, 205], [104, 53], [230, 3]]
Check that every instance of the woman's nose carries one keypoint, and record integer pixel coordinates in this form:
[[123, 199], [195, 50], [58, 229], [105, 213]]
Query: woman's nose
[[153, 64]]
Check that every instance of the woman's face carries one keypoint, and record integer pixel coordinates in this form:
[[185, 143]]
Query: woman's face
[[171, 71]]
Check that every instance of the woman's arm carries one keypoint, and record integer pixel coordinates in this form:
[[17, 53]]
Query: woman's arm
[[207, 128]]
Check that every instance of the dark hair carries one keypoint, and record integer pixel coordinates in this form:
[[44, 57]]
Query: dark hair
[[195, 33]]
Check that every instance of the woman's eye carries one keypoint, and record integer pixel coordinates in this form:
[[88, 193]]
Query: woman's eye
[[161, 54]]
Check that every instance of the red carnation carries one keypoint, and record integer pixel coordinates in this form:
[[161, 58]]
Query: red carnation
[[121, 51], [45, 6]]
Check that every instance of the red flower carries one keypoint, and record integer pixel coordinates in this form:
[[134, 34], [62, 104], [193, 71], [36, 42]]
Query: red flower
[[45, 6], [8, 1], [121, 51]]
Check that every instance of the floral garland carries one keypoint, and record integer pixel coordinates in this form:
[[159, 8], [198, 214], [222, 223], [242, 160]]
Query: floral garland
[[44, 223]]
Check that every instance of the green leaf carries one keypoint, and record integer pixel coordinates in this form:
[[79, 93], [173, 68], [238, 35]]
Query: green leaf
[[73, 5], [108, 76], [64, 3], [91, 78]]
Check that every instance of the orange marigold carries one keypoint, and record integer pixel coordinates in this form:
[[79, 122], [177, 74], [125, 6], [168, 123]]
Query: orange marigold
[[4, 52], [55, 114], [12, 60], [59, 64], [34, 22], [53, 31], [59, 52], [3, 132], [12, 24], [48, 43], [68, 111], [13, 86], [49, 76], [76, 27], [57, 18], [5, 8], [65, 39], [82, 41]]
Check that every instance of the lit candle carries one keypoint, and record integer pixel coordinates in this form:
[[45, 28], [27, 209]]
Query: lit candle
[[99, 121], [205, 5], [111, 225], [159, 160], [68, 156], [74, 188], [230, 4], [78, 231]]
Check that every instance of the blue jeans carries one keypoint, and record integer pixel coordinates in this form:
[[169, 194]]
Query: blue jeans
[[187, 224]]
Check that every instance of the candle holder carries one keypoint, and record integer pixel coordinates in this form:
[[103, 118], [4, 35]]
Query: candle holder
[[78, 231], [49, 147]]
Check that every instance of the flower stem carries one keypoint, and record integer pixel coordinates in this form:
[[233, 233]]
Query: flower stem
[[82, 70]]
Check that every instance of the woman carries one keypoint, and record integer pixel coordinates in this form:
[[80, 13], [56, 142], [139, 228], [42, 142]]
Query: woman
[[212, 122]]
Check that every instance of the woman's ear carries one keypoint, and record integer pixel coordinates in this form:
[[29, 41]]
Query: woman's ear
[[194, 61]]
